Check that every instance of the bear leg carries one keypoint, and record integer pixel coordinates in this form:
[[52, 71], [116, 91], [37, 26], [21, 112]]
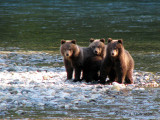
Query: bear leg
[[121, 71], [121, 78], [105, 70], [69, 69], [96, 76], [129, 77], [69, 73], [91, 72], [103, 75], [112, 76], [121, 74], [88, 78], [77, 74]]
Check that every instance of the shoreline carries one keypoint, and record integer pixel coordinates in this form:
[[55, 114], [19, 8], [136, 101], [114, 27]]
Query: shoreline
[[25, 85], [42, 90]]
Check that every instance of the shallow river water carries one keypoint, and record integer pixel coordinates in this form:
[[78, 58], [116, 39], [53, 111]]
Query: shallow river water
[[31, 89], [32, 76], [40, 25]]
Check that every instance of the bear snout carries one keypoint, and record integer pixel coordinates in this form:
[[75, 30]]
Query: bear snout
[[96, 51], [67, 54], [114, 53]]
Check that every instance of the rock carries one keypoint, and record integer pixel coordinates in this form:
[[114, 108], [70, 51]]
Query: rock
[[117, 86], [67, 106], [139, 89], [46, 77], [28, 85], [130, 86], [20, 112], [3, 106], [11, 69], [9, 100], [152, 84], [12, 90]]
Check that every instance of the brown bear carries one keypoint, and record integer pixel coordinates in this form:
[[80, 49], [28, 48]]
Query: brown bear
[[98, 46], [93, 64], [118, 64], [74, 58]]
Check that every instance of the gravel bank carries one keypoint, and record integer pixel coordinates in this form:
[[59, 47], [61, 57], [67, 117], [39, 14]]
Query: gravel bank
[[25, 85]]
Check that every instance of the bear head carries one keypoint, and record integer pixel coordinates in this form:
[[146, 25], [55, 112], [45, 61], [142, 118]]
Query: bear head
[[97, 46], [114, 47], [69, 48]]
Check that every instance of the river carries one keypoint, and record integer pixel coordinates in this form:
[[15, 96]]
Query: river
[[40, 25]]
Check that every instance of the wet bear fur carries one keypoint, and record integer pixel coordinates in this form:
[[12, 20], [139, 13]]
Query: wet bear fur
[[93, 64], [74, 58], [118, 64]]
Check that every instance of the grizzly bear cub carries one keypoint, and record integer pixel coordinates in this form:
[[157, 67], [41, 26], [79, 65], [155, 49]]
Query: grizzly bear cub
[[118, 64], [93, 64], [98, 47], [74, 58]]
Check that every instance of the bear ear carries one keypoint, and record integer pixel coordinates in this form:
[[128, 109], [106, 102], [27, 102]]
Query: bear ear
[[63, 41], [91, 40], [73, 41], [120, 41], [109, 40], [102, 40]]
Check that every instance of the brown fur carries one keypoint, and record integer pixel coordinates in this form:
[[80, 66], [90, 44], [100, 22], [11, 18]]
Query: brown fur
[[118, 64], [74, 58], [98, 47], [93, 64]]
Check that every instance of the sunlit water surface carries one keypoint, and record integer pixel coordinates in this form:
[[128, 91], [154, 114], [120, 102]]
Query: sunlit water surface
[[40, 25]]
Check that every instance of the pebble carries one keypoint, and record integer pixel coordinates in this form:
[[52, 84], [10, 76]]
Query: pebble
[[31, 86], [20, 112], [3, 106]]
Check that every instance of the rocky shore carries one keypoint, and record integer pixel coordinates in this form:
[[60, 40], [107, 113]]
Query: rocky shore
[[24, 84]]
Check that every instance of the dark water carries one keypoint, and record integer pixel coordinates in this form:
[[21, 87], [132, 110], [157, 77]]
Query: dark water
[[40, 25]]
